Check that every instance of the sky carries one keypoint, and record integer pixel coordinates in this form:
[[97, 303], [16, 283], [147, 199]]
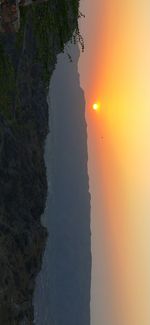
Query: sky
[[115, 71]]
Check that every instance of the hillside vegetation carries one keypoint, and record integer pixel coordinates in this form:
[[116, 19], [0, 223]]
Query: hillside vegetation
[[27, 61], [54, 18]]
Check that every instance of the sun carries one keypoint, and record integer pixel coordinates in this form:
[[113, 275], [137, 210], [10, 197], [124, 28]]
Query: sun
[[96, 106]]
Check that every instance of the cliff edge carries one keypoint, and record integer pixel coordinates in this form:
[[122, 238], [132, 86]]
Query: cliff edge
[[27, 60]]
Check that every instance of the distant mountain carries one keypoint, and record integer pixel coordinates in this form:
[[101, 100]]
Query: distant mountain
[[65, 280]]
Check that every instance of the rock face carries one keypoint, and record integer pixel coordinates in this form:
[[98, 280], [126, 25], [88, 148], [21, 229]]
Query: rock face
[[27, 58], [10, 14]]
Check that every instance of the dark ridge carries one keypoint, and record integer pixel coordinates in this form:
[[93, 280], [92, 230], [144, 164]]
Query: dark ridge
[[27, 60]]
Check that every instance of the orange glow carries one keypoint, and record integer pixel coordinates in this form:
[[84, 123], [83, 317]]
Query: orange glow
[[119, 156]]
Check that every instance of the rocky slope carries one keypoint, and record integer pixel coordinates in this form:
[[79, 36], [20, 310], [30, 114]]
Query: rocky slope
[[27, 60]]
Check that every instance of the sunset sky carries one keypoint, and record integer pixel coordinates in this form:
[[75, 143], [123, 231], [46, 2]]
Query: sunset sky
[[115, 72]]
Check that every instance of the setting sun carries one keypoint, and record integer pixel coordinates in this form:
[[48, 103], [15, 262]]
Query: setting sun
[[96, 106]]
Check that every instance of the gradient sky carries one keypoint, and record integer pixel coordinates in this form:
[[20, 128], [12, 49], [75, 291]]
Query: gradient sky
[[115, 70]]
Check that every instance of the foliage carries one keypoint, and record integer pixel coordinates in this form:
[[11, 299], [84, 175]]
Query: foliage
[[48, 18], [7, 84]]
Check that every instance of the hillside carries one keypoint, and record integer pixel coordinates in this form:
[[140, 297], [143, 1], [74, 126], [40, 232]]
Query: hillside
[[27, 60]]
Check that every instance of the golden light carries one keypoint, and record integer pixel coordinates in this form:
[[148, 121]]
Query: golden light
[[96, 106]]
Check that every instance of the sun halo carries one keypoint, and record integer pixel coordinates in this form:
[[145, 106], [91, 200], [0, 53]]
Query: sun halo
[[96, 106]]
